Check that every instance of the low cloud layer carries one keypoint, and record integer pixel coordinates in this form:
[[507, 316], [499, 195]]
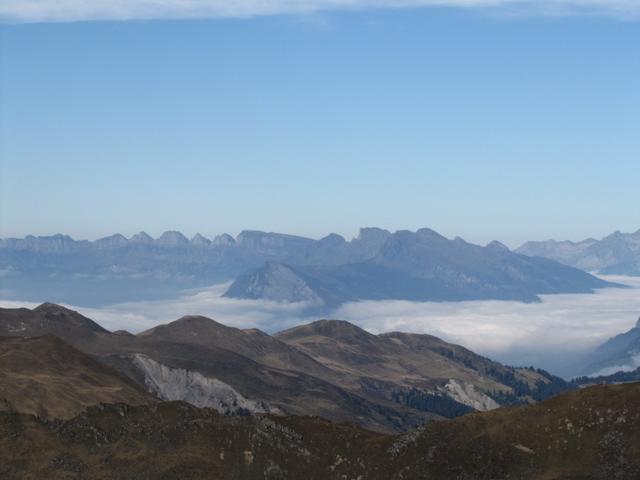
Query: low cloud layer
[[634, 363], [82, 10], [139, 316], [552, 334]]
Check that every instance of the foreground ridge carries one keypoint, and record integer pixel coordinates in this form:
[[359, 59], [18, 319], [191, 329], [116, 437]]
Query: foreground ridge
[[591, 433], [333, 369]]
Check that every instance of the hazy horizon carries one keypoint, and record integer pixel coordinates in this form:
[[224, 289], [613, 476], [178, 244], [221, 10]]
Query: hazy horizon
[[352, 234]]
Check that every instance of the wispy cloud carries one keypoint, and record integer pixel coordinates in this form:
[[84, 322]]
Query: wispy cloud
[[551, 334], [82, 10]]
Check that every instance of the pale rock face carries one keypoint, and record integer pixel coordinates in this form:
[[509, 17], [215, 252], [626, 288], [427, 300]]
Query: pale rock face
[[280, 284], [195, 388], [467, 394]]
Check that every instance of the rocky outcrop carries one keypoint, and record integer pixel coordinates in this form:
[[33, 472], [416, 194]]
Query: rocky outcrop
[[195, 388]]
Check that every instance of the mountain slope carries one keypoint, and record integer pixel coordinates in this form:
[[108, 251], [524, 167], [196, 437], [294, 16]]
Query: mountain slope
[[253, 344], [592, 433], [421, 371], [391, 382], [616, 254], [417, 266], [48, 319], [46, 377], [618, 354], [165, 365]]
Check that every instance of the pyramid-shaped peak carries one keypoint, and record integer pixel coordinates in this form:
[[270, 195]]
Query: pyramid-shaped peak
[[497, 245], [172, 237], [112, 240], [142, 237], [200, 240]]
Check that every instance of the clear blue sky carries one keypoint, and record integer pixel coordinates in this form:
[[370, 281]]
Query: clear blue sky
[[475, 124]]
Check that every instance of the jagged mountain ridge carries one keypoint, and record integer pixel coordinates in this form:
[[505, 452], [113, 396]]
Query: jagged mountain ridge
[[377, 264], [417, 266], [389, 382], [116, 269], [616, 254], [591, 433]]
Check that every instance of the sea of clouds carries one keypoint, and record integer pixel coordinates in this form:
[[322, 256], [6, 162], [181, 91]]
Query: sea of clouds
[[552, 334]]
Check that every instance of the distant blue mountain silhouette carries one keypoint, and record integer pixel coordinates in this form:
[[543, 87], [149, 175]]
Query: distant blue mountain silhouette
[[377, 264]]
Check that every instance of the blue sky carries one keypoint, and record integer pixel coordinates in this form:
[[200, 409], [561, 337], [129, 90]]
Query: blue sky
[[471, 121]]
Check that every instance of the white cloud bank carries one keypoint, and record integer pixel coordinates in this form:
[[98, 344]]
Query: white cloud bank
[[551, 334], [83, 10]]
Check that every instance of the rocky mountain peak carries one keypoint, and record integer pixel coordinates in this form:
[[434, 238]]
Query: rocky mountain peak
[[200, 240], [372, 233], [142, 237], [496, 245], [427, 233], [224, 239], [115, 240], [172, 237], [333, 239]]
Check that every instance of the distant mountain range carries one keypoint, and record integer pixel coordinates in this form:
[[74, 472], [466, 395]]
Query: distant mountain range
[[616, 254], [417, 266], [325, 273], [392, 382]]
